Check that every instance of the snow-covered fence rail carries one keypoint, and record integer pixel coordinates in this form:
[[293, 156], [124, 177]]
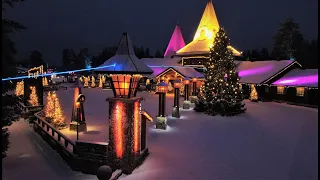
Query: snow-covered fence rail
[[61, 143], [52, 131], [29, 110]]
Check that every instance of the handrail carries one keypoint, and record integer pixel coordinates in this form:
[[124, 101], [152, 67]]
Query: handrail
[[67, 140]]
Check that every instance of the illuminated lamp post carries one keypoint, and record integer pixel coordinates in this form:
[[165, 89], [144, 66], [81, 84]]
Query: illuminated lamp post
[[78, 121], [161, 118], [175, 111], [127, 122], [186, 102], [194, 97]]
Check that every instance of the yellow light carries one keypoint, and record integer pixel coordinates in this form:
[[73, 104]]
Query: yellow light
[[19, 91], [93, 82], [33, 97]]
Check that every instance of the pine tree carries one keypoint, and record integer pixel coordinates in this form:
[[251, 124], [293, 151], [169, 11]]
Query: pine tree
[[58, 119], [33, 97], [49, 111], [93, 82], [86, 81], [221, 87], [100, 82], [19, 88], [253, 95]]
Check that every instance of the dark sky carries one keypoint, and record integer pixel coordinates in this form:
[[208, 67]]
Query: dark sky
[[57, 24]]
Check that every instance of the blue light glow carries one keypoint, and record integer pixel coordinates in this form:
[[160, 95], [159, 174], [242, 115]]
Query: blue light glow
[[57, 73]]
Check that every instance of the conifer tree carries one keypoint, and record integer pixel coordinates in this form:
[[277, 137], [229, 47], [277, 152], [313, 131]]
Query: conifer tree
[[100, 82], [49, 111], [86, 81], [58, 119], [19, 88], [221, 88], [33, 97], [93, 82], [253, 95]]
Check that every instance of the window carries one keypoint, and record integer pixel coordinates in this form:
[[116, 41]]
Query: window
[[266, 89], [300, 91], [280, 89]]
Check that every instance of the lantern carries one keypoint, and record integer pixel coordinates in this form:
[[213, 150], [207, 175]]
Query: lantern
[[124, 85], [177, 83], [194, 87], [162, 87], [186, 81]]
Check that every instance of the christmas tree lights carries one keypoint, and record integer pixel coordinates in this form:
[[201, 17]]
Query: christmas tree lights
[[58, 119], [93, 82], [45, 81], [86, 81], [49, 110], [100, 82], [221, 86], [253, 95], [33, 97], [19, 91]]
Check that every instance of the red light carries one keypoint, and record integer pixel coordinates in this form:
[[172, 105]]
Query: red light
[[136, 127], [118, 131]]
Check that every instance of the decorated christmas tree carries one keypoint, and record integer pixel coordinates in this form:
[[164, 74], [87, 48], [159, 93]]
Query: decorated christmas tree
[[59, 119], [93, 82], [19, 88], [221, 86], [86, 81], [100, 82], [33, 97], [253, 95], [49, 111]]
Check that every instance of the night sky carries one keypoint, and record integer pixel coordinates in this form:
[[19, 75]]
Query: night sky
[[57, 24]]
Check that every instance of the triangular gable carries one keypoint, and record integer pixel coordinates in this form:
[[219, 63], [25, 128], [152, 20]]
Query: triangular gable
[[170, 69], [125, 60], [176, 42]]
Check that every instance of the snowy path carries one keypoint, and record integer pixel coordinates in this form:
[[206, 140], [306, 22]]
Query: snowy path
[[270, 141], [30, 157]]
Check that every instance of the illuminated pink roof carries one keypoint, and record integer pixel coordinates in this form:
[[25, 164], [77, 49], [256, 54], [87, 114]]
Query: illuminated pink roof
[[299, 77], [176, 42], [257, 72]]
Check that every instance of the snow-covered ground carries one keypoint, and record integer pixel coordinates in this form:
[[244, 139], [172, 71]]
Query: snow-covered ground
[[269, 141]]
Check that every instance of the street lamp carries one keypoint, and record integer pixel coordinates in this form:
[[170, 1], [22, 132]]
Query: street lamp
[[161, 118], [186, 102], [194, 97], [177, 86], [127, 122]]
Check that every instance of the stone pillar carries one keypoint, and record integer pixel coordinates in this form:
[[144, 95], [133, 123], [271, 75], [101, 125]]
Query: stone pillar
[[175, 110]]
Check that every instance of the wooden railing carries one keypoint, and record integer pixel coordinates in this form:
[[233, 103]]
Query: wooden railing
[[53, 132], [24, 108]]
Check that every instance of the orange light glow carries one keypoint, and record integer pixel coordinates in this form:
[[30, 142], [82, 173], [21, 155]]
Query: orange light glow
[[194, 79], [118, 131], [76, 94], [136, 127], [77, 104], [187, 82]]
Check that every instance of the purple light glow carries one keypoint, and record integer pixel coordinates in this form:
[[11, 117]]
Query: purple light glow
[[255, 71], [300, 80], [176, 42]]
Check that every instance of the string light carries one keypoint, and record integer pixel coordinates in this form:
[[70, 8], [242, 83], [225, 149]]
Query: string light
[[93, 82], [33, 97], [19, 91]]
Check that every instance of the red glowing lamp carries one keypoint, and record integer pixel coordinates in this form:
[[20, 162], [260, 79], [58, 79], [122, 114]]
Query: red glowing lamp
[[124, 85], [162, 87], [186, 80], [177, 83]]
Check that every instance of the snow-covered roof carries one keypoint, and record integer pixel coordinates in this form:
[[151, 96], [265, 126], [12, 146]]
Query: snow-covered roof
[[159, 65], [125, 60], [257, 72], [176, 42], [299, 77]]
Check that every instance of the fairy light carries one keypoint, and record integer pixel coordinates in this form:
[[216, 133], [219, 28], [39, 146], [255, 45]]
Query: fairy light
[[33, 97], [93, 82], [19, 91]]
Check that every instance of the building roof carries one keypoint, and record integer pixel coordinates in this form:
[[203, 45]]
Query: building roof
[[159, 65], [205, 34], [125, 60], [299, 77], [176, 42], [259, 72]]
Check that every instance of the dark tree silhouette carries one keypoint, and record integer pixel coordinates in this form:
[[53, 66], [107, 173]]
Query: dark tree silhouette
[[35, 59]]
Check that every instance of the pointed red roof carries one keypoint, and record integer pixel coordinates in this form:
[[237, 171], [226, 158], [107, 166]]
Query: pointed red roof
[[176, 42]]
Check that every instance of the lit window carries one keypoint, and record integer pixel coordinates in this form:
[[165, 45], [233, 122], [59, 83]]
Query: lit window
[[300, 91], [280, 90]]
